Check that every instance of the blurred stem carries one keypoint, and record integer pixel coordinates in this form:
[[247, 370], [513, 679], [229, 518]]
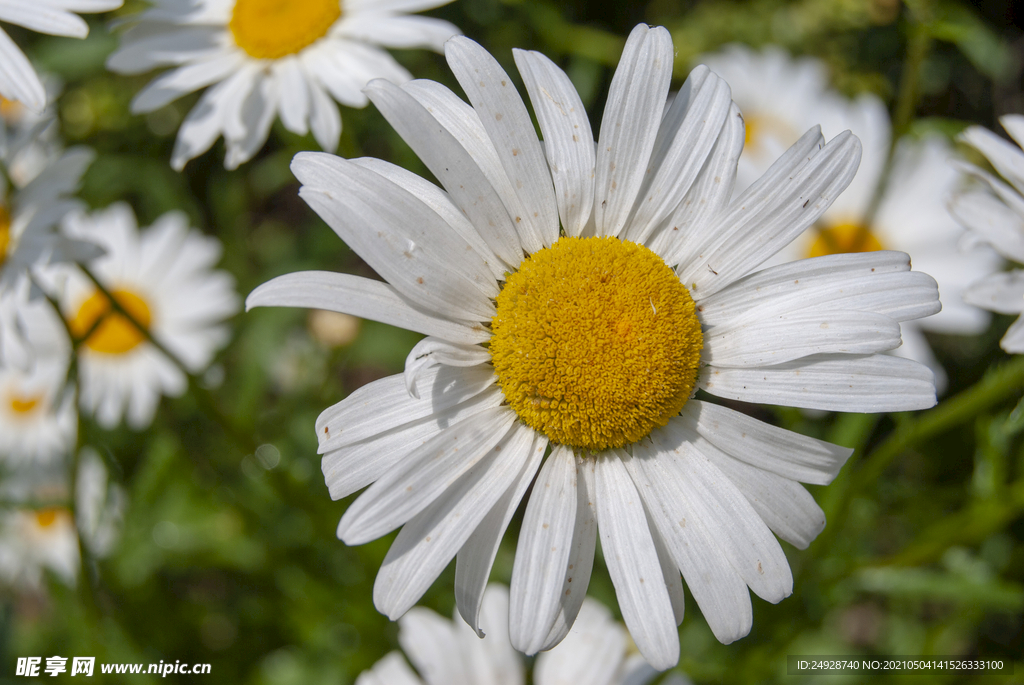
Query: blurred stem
[[243, 439], [999, 382], [919, 43]]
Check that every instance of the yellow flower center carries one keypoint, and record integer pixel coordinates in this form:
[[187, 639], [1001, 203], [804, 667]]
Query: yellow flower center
[[5, 233], [842, 239], [758, 127], [47, 517], [11, 110], [596, 342], [22, 404], [112, 332], [270, 29]]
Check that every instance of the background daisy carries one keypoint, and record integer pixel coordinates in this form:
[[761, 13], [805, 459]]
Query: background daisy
[[780, 96], [18, 80], [994, 213], [446, 652], [263, 59], [164, 277], [602, 374]]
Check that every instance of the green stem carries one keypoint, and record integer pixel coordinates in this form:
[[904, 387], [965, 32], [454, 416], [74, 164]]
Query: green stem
[[202, 395]]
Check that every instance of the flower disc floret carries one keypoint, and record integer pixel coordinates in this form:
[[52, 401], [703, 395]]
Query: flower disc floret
[[843, 239], [114, 334], [596, 342], [271, 29]]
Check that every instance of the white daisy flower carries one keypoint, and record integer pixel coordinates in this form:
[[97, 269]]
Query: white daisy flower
[[18, 80], [29, 217], [264, 58], [596, 651], [162, 276], [36, 540], [38, 422], [577, 297], [994, 213], [780, 96]]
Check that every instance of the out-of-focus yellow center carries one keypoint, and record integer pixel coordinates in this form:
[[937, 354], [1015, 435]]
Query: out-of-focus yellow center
[[47, 517], [114, 333], [759, 127], [11, 110], [23, 404], [842, 239], [271, 29], [5, 233], [596, 342]]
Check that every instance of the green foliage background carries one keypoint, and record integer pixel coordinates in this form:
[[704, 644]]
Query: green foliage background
[[228, 554]]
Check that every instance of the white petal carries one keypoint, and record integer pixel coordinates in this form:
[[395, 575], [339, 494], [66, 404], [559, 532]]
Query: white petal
[[36, 16], [142, 50], [871, 281], [568, 139], [673, 501], [874, 383], [431, 539], [397, 31], [1002, 292], [433, 351], [591, 653], [766, 218], [786, 337], [784, 505], [208, 118], [254, 117], [431, 644], [18, 80], [1007, 158], [324, 118], [632, 561], [352, 467], [294, 93], [542, 555], [629, 125], [581, 555], [385, 404], [707, 196], [669, 570], [493, 661], [422, 477], [687, 133], [402, 239], [452, 165], [1013, 341], [359, 297], [510, 129], [768, 447], [185, 79], [992, 221], [1014, 125], [391, 670], [440, 202], [475, 559]]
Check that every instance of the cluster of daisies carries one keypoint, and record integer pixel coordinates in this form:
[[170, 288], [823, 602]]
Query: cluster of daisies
[[749, 237], [98, 319]]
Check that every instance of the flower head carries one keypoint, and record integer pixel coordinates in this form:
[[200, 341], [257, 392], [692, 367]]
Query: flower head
[[163, 279], [264, 58], [573, 297], [994, 213]]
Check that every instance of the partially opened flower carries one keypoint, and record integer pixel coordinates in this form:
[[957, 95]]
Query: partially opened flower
[[163, 277], [264, 58], [994, 213], [575, 298], [38, 421], [18, 80], [34, 541], [596, 651], [779, 96]]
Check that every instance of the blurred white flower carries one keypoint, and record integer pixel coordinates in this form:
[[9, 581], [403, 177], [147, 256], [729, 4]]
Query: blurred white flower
[[38, 421], [99, 505], [18, 80], [263, 58], [994, 213], [779, 97], [36, 540], [597, 651], [164, 278], [576, 296]]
